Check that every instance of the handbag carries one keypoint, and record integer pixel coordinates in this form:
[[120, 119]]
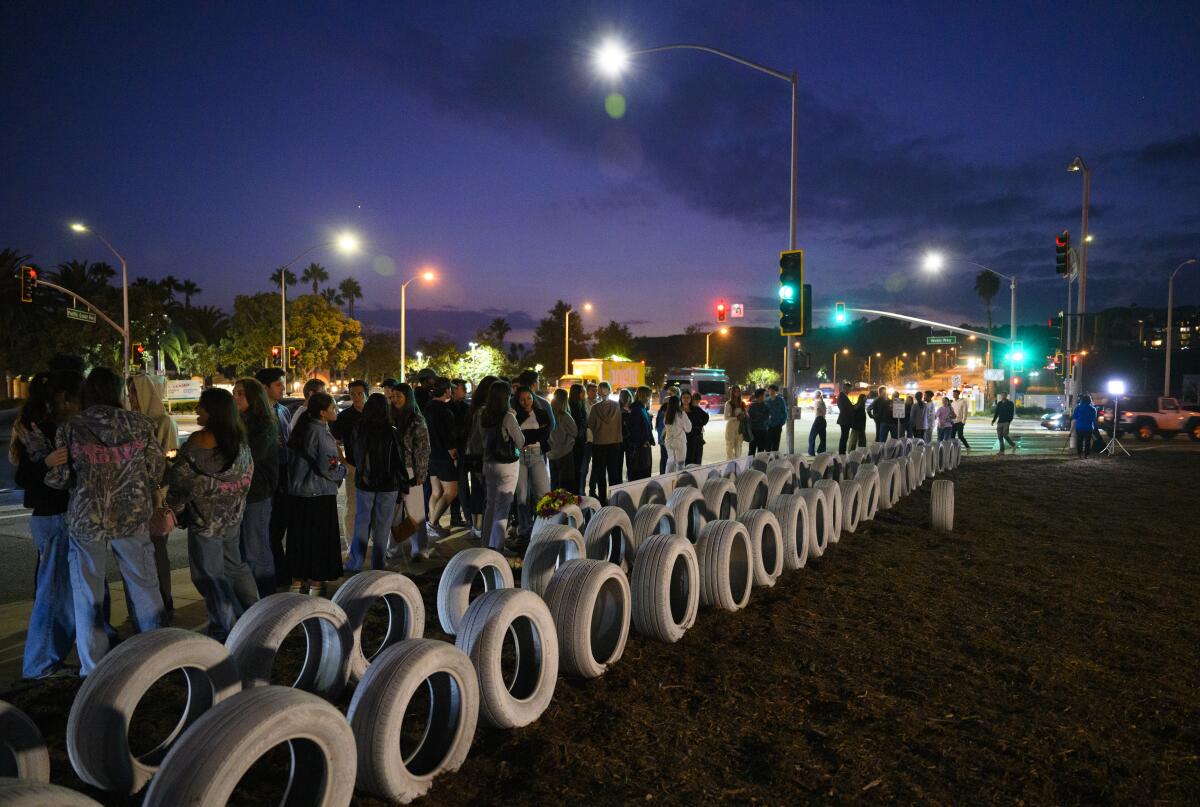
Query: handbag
[[162, 521], [403, 527]]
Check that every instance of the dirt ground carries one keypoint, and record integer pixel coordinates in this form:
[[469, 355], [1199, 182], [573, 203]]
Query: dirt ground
[[1045, 652]]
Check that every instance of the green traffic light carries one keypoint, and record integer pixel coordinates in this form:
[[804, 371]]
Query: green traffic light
[[787, 292]]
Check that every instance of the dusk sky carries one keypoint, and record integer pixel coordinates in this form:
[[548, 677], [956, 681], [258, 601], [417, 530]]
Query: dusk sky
[[215, 141]]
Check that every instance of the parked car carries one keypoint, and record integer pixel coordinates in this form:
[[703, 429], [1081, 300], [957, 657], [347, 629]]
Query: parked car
[[1056, 421], [1147, 415]]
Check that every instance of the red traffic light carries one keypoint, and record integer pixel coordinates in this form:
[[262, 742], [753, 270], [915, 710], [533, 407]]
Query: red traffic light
[[721, 312]]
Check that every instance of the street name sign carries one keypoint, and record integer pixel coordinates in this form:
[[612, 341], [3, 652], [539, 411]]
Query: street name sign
[[81, 315], [951, 339]]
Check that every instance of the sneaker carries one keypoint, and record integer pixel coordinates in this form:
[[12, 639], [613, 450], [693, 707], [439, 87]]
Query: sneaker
[[435, 532], [422, 555], [476, 534]]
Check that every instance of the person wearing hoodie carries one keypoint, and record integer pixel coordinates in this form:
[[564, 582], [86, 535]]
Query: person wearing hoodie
[[207, 488], [777, 404], [639, 437], [373, 447], [677, 427], [314, 549], [53, 397], [845, 418], [146, 397], [262, 435], [660, 424], [694, 409], [414, 445], [604, 422], [759, 416], [114, 472], [562, 444]]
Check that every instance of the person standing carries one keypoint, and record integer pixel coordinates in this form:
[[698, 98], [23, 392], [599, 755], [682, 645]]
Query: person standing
[[778, 408], [604, 424], [461, 512], [1002, 419], [115, 470], [341, 428], [533, 478], [262, 435], [930, 417], [474, 454], [53, 398], [562, 444], [879, 413], [1083, 421], [580, 452], [896, 416], [669, 391], [145, 397], [945, 421], [272, 380], [209, 481], [373, 447], [960, 418], [677, 426], [415, 447], [314, 548], [586, 472], [817, 432], [443, 454], [845, 418], [735, 418], [916, 417], [694, 409], [858, 426], [639, 439], [502, 444], [311, 387], [759, 416]]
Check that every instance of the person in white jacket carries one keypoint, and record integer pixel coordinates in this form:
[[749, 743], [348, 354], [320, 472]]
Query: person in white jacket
[[675, 432]]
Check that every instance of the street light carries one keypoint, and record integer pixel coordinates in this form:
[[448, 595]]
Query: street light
[[612, 58], [428, 276], [346, 243], [1170, 325], [82, 228], [845, 352], [707, 336], [1079, 166], [567, 338]]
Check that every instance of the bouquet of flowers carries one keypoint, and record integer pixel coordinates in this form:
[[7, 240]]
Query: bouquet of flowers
[[554, 501]]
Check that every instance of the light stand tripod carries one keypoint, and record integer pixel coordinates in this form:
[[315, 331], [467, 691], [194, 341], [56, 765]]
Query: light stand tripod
[[1114, 444]]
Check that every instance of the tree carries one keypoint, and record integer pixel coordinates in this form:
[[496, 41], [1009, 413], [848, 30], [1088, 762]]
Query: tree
[[253, 330], [205, 323], [439, 353], [761, 377], [331, 296], [480, 361], [325, 337], [170, 285], [987, 286], [548, 338], [494, 333], [187, 288], [290, 278], [379, 357], [316, 274], [613, 339], [350, 291], [83, 278]]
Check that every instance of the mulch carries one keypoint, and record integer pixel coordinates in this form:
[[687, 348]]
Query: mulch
[[1047, 651]]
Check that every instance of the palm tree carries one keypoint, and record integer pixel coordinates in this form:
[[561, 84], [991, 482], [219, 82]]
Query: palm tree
[[187, 288], [207, 323], [170, 285], [290, 277], [987, 286], [350, 291], [331, 296], [315, 273], [82, 277]]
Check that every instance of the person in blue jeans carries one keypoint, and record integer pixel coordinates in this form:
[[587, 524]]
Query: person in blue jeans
[[816, 435], [114, 470], [53, 397], [1083, 421], [262, 435], [373, 448]]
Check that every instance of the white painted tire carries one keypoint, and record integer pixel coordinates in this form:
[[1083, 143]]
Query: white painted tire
[[751, 491], [665, 588], [544, 556], [591, 605], [781, 479], [210, 759], [454, 587], [488, 622], [726, 565], [622, 499], [685, 479], [766, 544], [868, 497], [28, 793], [818, 521], [690, 510], [652, 493], [783, 463], [588, 505], [819, 466], [889, 486], [720, 496], [570, 515], [406, 611], [23, 752], [941, 505], [653, 519], [98, 724], [851, 504], [376, 716], [609, 536], [791, 511], [833, 507]]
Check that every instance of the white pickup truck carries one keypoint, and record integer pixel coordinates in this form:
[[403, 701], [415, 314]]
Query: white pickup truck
[[1147, 415]]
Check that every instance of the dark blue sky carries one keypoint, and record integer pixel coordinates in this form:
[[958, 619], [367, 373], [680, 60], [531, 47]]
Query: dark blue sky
[[215, 141]]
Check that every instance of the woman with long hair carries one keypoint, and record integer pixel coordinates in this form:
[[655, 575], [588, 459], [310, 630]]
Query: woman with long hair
[[414, 447], [52, 398], [373, 447], [735, 417], [314, 543], [209, 480], [145, 396], [694, 409], [533, 479], [474, 453], [677, 427], [502, 444], [577, 406], [562, 444], [262, 435]]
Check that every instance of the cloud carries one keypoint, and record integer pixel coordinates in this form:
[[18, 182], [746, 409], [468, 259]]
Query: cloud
[[1177, 151]]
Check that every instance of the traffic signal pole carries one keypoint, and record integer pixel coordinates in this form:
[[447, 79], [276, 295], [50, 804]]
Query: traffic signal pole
[[789, 378]]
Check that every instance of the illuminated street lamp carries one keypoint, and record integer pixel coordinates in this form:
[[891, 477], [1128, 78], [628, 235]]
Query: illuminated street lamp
[[345, 243], [427, 276], [82, 228], [567, 338], [845, 352], [707, 336]]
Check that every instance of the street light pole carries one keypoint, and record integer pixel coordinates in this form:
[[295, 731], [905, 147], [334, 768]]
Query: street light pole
[[1170, 325], [1079, 165], [81, 228], [428, 276]]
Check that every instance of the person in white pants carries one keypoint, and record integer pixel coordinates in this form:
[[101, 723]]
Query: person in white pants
[[677, 426], [502, 444]]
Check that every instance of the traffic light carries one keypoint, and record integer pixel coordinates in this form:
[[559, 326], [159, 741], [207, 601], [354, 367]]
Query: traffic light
[[1062, 253], [28, 283], [1016, 357], [1060, 365], [839, 313], [139, 351], [293, 357], [277, 356], [791, 293], [721, 311]]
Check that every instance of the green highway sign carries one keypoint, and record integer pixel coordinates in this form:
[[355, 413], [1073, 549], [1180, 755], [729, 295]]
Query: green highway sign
[[941, 340], [81, 315]]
